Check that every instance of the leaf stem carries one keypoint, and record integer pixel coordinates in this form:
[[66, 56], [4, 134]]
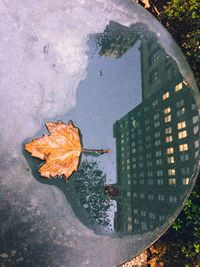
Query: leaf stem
[[100, 151]]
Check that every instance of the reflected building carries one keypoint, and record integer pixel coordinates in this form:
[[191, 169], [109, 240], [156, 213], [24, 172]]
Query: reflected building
[[157, 145]]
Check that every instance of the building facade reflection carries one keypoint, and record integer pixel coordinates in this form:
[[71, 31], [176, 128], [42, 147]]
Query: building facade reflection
[[157, 145]]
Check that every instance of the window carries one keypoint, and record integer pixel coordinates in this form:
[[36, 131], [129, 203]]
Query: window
[[141, 181], [167, 110], [149, 155], [186, 181], [143, 213], [128, 194], [144, 226], [135, 221], [134, 194], [172, 199], [195, 119], [156, 124], [157, 134], [193, 106], [196, 129], [170, 160], [170, 150], [155, 103], [160, 181], [183, 147], [168, 118], [165, 96], [142, 195], [146, 109], [129, 182], [149, 164], [180, 103], [134, 182], [150, 196], [172, 181], [196, 144], [158, 161], [130, 227], [160, 197], [184, 157], [154, 76], [135, 211], [159, 173], [181, 125], [154, 57], [168, 130], [129, 219], [150, 181], [156, 116], [158, 142], [180, 112], [161, 218], [171, 172], [152, 215], [158, 153], [178, 87], [185, 171], [182, 134], [169, 139]]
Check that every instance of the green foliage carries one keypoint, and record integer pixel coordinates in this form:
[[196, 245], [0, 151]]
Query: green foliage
[[182, 19]]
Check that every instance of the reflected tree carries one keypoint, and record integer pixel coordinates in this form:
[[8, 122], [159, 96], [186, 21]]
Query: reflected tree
[[89, 183]]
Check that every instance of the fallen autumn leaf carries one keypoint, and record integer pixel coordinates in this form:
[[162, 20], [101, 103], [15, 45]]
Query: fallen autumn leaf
[[61, 149]]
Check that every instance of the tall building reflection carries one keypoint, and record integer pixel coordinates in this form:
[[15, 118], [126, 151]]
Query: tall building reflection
[[157, 145]]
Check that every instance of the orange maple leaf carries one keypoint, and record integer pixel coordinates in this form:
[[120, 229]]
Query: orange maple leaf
[[61, 149]]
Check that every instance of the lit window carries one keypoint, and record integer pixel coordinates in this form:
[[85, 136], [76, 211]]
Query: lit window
[[181, 125], [168, 118], [128, 194], [170, 150], [128, 167], [167, 110], [180, 112], [129, 219], [178, 87], [129, 182], [182, 134], [170, 160], [171, 172], [186, 181], [172, 181], [183, 147], [165, 96], [168, 130], [169, 139]]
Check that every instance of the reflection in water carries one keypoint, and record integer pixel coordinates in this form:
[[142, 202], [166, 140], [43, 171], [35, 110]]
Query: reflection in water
[[157, 145], [156, 136]]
